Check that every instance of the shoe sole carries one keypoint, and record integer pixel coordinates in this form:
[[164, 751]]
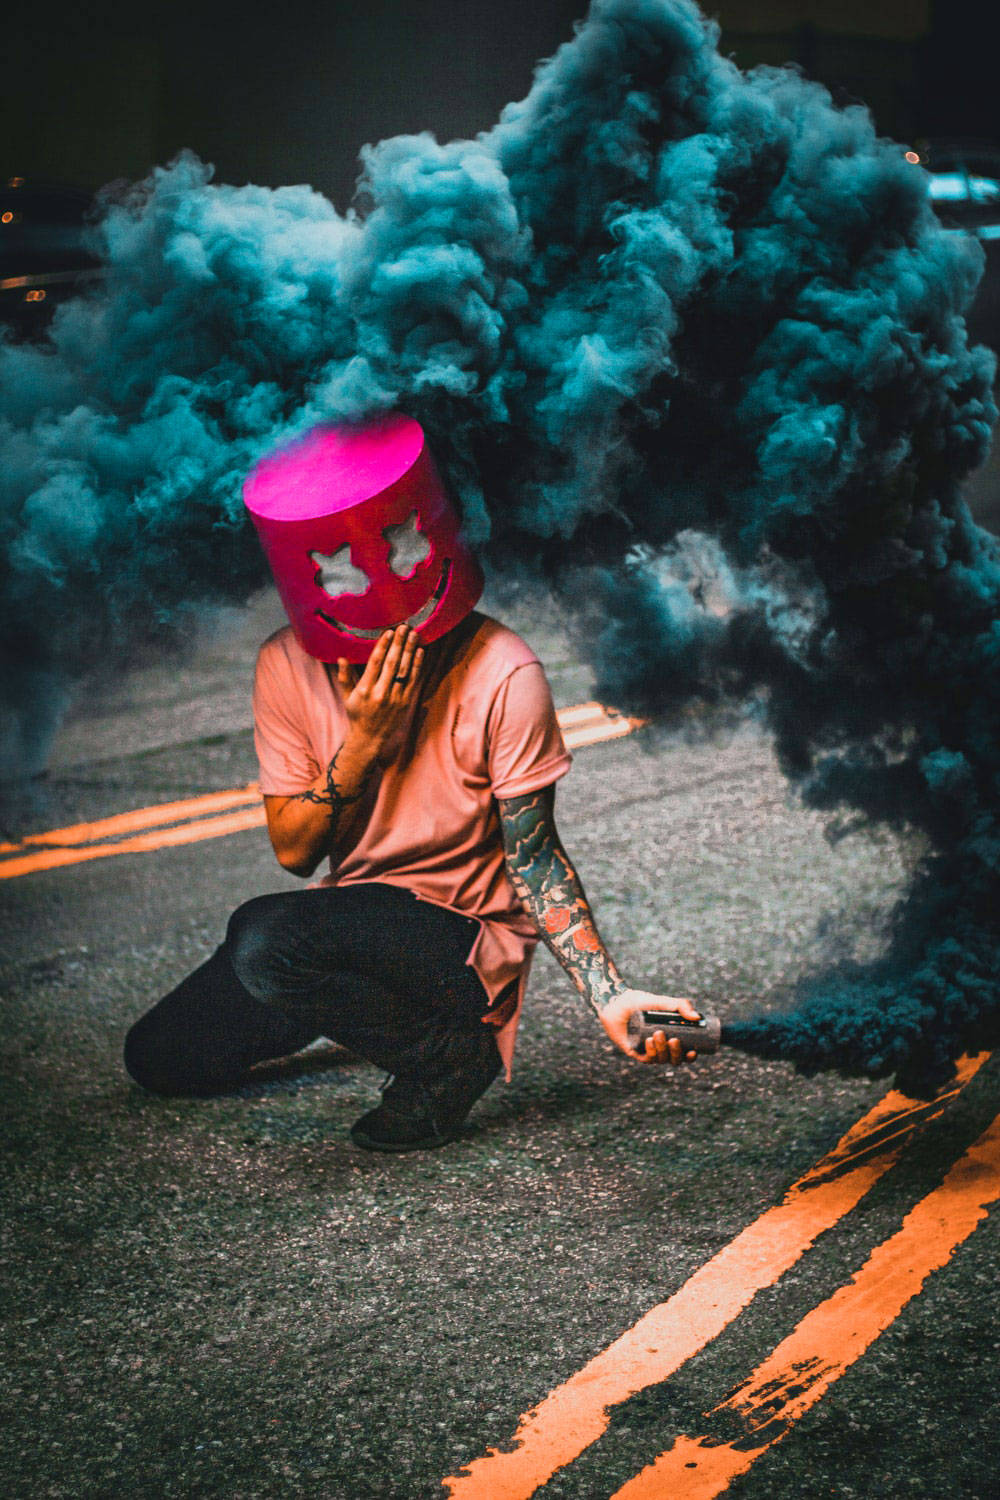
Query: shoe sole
[[426, 1143]]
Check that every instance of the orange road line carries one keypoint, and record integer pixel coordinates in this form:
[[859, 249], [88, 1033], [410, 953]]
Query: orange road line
[[613, 729], [833, 1336], [588, 713], [142, 817], [590, 723], [160, 838], [576, 1414], [78, 842], [580, 713]]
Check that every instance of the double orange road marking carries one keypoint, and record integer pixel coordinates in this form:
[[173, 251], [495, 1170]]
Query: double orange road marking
[[830, 1338], [590, 723], [136, 832], [219, 813], [802, 1368]]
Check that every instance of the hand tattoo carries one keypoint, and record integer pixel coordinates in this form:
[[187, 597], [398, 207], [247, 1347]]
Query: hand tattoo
[[550, 889]]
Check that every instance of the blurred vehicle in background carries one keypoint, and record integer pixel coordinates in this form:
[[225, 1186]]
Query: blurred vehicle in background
[[44, 257], [964, 189]]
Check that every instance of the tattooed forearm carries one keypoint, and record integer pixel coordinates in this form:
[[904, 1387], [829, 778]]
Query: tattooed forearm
[[551, 892], [333, 796], [338, 795], [325, 818]]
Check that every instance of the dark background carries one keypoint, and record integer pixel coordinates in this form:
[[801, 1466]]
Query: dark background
[[107, 90]]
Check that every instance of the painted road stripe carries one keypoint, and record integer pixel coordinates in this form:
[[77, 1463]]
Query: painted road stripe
[[588, 723], [142, 817], [142, 843], [833, 1336], [583, 724], [576, 1413]]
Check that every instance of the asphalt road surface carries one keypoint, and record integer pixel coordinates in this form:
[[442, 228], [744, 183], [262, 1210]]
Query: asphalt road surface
[[622, 1282]]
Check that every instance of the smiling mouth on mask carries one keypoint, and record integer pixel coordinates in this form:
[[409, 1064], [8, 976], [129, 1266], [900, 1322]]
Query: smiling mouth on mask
[[415, 621]]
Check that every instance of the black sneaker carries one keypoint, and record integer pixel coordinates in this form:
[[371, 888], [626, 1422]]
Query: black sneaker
[[417, 1116], [404, 1121]]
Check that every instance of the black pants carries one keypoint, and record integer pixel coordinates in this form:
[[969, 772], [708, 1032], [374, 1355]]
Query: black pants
[[369, 966]]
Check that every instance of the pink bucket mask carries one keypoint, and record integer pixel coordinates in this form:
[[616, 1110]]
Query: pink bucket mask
[[361, 536]]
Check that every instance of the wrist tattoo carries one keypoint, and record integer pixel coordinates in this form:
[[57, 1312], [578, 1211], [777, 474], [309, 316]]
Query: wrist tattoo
[[550, 889], [331, 796]]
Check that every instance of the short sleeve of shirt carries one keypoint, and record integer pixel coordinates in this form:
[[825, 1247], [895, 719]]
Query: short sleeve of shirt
[[526, 751], [286, 759]]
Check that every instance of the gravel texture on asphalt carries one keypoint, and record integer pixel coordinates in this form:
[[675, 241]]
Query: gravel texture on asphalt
[[224, 1297]]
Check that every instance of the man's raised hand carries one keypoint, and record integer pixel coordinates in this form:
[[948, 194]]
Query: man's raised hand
[[377, 701]]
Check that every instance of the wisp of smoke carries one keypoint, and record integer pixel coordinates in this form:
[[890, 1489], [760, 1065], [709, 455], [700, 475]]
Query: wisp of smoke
[[692, 331]]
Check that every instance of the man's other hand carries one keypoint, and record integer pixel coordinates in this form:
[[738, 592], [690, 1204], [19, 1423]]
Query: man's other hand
[[660, 1048]]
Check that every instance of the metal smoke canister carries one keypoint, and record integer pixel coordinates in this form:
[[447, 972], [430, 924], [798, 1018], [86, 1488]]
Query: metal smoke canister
[[694, 1036]]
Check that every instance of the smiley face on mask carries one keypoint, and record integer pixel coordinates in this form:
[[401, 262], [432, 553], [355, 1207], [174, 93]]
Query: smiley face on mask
[[361, 536]]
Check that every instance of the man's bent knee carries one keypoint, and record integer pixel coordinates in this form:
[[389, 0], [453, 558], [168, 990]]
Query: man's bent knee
[[255, 931]]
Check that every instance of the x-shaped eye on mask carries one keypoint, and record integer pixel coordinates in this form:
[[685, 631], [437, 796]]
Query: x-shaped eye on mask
[[336, 574], [408, 548]]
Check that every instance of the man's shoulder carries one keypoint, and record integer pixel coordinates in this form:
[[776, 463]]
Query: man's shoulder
[[281, 652], [283, 667], [497, 648]]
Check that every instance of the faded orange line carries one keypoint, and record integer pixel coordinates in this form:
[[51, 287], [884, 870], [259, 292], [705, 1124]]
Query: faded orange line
[[142, 817], [606, 729], [575, 1414], [833, 1336], [160, 838], [576, 713], [706, 1470], [590, 723]]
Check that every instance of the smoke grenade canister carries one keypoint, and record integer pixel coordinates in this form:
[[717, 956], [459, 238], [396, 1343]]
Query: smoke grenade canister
[[694, 1036]]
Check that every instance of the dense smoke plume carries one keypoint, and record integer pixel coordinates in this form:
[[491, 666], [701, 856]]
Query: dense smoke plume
[[691, 331]]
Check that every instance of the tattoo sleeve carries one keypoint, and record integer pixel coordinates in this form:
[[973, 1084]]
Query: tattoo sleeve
[[550, 890]]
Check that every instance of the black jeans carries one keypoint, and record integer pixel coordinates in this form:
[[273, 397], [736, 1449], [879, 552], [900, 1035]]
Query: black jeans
[[369, 966]]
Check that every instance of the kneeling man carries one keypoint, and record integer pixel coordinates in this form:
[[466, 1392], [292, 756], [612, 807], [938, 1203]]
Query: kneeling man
[[412, 742]]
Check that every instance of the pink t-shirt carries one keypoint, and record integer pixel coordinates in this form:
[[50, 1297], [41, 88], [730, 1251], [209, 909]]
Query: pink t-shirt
[[488, 730]]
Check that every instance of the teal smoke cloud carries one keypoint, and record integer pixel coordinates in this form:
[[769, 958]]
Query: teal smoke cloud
[[695, 331]]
